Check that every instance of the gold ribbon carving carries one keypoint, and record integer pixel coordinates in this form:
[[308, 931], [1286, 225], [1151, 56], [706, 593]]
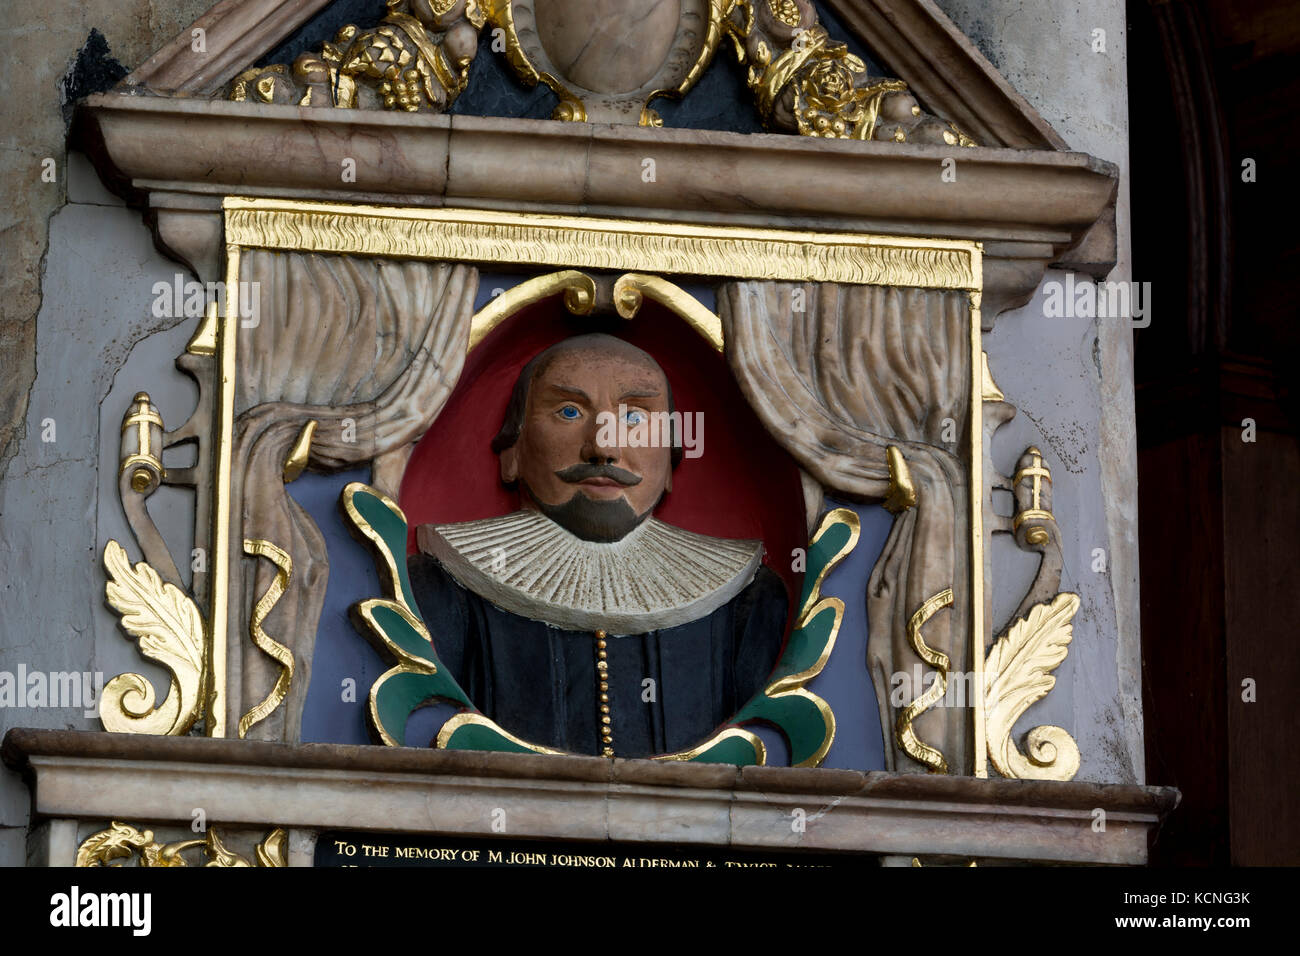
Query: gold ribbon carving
[[912, 745], [259, 547]]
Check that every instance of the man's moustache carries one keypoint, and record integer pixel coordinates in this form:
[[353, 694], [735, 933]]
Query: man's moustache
[[582, 472]]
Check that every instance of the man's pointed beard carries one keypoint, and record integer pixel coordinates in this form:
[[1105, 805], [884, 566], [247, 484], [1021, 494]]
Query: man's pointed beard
[[592, 519]]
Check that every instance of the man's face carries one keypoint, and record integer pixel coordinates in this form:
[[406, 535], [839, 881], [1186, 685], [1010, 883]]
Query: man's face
[[575, 470]]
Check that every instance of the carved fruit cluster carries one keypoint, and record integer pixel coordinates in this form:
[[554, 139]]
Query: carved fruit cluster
[[417, 59]]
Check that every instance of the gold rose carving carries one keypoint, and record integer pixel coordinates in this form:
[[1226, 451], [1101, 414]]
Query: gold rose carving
[[170, 631], [122, 841], [1018, 673], [417, 60], [804, 82]]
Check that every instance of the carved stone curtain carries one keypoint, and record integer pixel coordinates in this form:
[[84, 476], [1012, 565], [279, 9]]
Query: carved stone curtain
[[852, 371], [369, 349]]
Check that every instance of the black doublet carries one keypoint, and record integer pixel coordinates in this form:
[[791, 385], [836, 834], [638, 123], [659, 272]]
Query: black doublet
[[668, 689]]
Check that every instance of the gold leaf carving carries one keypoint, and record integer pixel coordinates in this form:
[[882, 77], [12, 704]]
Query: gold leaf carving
[[1019, 672], [118, 842], [271, 851], [805, 82], [170, 631], [122, 841], [220, 856], [629, 245]]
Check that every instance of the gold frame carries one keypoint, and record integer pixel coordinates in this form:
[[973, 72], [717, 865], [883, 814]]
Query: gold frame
[[571, 243], [617, 245]]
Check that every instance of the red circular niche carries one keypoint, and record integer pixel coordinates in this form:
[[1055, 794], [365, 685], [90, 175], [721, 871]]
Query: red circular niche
[[744, 485]]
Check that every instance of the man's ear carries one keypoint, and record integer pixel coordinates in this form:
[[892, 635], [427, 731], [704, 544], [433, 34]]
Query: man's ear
[[510, 465]]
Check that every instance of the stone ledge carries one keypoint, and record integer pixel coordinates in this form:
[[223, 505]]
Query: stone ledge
[[159, 780], [1031, 206], [225, 148]]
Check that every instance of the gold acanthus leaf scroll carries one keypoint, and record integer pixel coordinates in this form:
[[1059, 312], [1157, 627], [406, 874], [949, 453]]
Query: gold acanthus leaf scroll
[[170, 631], [121, 841], [1019, 673]]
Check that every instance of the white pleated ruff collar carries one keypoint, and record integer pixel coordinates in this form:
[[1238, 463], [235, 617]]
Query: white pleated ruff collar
[[656, 577]]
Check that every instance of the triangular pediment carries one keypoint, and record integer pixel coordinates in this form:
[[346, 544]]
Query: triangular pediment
[[912, 40], [918, 43], [245, 103]]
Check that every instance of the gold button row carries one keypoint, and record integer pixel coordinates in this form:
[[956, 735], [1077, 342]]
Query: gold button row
[[602, 671]]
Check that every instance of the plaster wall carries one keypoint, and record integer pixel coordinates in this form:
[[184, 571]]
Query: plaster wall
[[50, 500], [97, 342], [1072, 378], [44, 39]]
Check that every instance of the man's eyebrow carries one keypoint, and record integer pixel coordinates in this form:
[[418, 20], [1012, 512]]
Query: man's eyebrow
[[641, 393], [571, 390]]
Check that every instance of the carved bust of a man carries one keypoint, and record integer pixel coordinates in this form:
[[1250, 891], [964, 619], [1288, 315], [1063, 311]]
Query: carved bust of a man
[[580, 621]]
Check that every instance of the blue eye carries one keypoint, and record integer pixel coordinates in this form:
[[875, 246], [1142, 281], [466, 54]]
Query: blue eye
[[569, 412], [634, 417]]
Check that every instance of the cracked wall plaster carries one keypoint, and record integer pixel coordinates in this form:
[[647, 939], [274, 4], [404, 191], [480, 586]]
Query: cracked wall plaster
[[1047, 52], [43, 40], [96, 307]]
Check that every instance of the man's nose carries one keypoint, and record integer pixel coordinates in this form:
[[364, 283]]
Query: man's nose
[[600, 445]]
